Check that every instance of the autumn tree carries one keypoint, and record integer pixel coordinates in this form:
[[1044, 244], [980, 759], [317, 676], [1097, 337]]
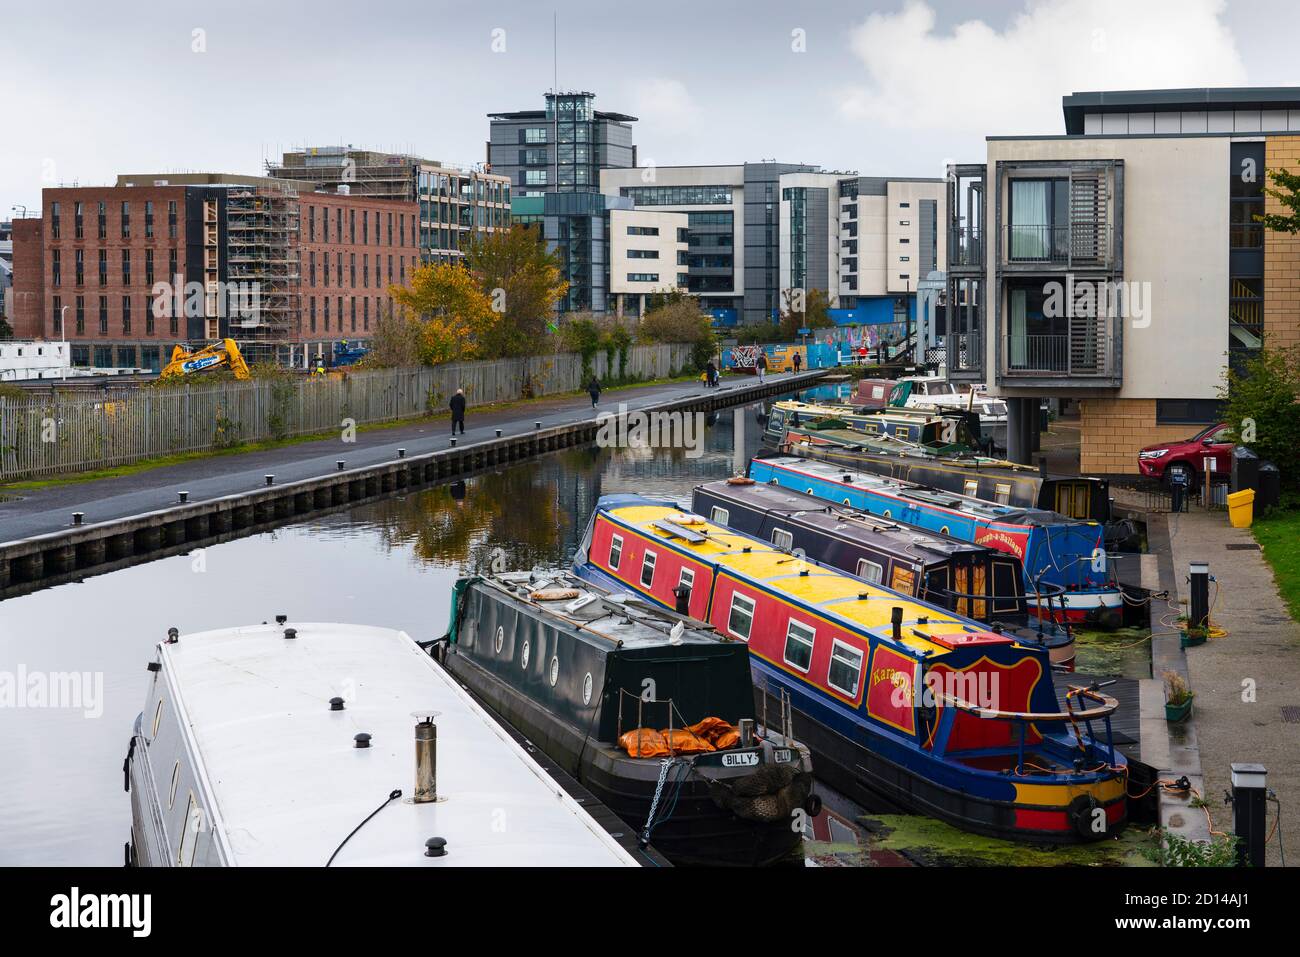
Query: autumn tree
[[1287, 192], [805, 310], [522, 282], [455, 317]]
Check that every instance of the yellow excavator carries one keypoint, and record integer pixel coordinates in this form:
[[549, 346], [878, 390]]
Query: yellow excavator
[[218, 354]]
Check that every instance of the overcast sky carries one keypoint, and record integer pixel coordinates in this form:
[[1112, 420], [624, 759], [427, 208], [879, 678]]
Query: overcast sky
[[91, 89]]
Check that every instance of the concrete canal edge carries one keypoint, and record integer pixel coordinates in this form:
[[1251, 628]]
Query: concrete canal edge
[[78, 551]]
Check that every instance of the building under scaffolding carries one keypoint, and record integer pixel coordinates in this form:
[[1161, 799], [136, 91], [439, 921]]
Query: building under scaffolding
[[263, 272], [364, 172]]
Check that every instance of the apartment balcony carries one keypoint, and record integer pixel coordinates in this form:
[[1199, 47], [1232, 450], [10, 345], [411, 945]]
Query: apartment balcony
[[1075, 246], [1084, 355]]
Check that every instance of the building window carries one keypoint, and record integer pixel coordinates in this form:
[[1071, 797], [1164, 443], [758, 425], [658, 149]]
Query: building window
[[102, 224], [126, 315], [78, 232], [126, 267], [643, 277], [643, 254], [103, 267], [103, 315], [1188, 411], [148, 267], [81, 315], [643, 230], [534, 177], [126, 220], [327, 313], [171, 219], [313, 312], [54, 220], [741, 618], [311, 224], [799, 640], [58, 315], [677, 195], [845, 669], [56, 268], [148, 219]]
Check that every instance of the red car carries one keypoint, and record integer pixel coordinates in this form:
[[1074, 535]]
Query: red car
[[1188, 456]]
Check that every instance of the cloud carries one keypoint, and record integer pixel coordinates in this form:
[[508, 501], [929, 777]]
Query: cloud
[[979, 79], [663, 106]]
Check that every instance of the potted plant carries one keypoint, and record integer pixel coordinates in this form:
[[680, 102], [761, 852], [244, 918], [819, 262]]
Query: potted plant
[[1178, 697]]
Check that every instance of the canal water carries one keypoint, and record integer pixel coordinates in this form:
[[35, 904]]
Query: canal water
[[390, 563]]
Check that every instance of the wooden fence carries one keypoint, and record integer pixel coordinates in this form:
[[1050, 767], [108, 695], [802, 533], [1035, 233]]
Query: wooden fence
[[46, 434]]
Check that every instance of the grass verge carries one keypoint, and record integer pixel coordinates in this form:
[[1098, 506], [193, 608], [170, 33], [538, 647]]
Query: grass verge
[[1279, 536]]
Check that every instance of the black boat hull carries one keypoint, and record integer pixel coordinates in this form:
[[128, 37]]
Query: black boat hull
[[699, 831]]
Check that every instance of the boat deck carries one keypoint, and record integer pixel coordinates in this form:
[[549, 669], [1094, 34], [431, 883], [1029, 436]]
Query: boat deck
[[1125, 723]]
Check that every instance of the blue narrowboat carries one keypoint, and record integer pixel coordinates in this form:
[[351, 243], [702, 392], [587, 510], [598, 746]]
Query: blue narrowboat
[[1061, 556]]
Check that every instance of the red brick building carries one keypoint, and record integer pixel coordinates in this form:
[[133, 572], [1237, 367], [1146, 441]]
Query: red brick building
[[125, 272]]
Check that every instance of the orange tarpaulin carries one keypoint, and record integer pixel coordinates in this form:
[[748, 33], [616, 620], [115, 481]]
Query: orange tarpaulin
[[644, 743], [685, 741]]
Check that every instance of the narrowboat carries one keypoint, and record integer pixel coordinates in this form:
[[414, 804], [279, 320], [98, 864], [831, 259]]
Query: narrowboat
[[973, 580], [936, 392], [1061, 556], [936, 431], [904, 705], [919, 455], [650, 710], [270, 745]]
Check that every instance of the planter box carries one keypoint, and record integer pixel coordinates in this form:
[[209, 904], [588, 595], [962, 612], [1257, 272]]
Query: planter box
[[1189, 639], [1178, 712]]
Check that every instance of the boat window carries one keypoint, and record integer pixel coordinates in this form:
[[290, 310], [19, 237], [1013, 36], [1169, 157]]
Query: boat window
[[741, 618], [500, 640], [615, 552], [782, 539], [523, 654], [555, 670], [900, 431], [157, 719], [190, 834], [719, 515], [176, 776], [687, 580], [648, 569], [1005, 590], [799, 645], [871, 571], [1002, 493], [970, 487], [586, 688], [845, 669]]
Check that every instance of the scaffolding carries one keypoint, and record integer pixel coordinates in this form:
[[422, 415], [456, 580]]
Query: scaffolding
[[363, 172], [263, 272]]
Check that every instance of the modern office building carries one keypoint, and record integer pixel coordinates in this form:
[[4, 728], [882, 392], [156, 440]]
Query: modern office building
[[758, 230], [1119, 263], [553, 159], [561, 148], [125, 272], [455, 203], [648, 254]]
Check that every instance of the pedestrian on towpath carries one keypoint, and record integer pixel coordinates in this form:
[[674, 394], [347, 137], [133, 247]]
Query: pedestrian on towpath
[[798, 361], [593, 389], [457, 404], [761, 365], [711, 375]]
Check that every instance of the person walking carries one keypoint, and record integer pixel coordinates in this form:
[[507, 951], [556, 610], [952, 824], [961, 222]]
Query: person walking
[[593, 389], [761, 365], [457, 404], [798, 361], [711, 375]]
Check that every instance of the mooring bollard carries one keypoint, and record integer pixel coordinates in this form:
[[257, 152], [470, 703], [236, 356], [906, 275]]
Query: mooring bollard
[[401, 453], [77, 517], [339, 463], [270, 480], [453, 441], [537, 425], [1249, 792], [184, 497], [498, 433]]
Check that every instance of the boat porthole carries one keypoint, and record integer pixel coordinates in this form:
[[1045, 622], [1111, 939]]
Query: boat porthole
[[810, 491], [523, 660], [944, 530], [847, 502], [887, 513], [555, 671], [157, 719], [500, 639], [176, 776], [586, 688]]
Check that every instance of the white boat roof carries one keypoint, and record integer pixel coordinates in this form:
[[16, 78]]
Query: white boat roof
[[289, 785]]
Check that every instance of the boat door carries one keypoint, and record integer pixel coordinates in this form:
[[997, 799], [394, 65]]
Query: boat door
[[1074, 500]]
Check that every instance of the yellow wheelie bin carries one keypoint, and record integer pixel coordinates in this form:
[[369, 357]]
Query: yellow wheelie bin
[[1241, 508]]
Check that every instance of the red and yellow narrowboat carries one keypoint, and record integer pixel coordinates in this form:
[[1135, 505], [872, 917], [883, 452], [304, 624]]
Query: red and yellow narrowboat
[[906, 706]]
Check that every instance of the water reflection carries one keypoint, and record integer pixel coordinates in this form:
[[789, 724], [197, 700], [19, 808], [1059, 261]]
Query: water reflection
[[389, 563]]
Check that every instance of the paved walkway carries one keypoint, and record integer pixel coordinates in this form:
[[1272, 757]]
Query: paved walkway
[[50, 509], [1260, 653]]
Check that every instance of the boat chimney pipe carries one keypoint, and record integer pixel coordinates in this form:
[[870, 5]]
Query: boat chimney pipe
[[896, 619], [746, 732], [426, 760], [1042, 466]]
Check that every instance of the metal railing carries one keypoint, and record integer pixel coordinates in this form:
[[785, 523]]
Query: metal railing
[[1081, 352], [966, 247], [965, 352], [1073, 244]]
